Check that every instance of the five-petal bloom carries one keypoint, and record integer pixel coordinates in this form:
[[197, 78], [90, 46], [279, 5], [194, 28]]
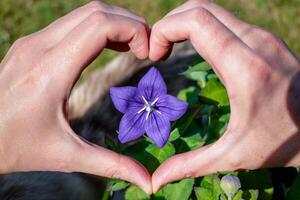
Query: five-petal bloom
[[147, 108]]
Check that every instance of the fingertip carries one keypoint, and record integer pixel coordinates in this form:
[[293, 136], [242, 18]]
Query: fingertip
[[159, 178], [146, 185], [159, 47], [155, 183], [140, 45], [143, 178], [157, 53], [142, 55], [154, 57]]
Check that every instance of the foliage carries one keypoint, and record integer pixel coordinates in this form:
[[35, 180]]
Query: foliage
[[203, 123]]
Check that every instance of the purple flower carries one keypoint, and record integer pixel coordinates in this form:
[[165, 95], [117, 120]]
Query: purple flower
[[147, 108]]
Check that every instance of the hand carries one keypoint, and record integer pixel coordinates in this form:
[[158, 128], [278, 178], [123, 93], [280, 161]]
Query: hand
[[36, 77], [263, 83]]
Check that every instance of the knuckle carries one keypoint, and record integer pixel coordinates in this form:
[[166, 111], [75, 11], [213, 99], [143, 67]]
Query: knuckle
[[97, 18], [260, 69], [98, 5], [202, 2], [271, 38], [268, 38], [22, 50], [22, 43], [190, 173], [113, 172], [94, 4], [200, 16]]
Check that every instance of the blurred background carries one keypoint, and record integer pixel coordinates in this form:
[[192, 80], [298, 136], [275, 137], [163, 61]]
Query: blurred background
[[22, 17]]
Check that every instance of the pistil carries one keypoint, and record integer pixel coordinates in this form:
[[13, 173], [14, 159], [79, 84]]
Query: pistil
[[149, 107]]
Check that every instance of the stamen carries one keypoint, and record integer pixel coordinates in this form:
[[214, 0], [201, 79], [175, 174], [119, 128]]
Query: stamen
[[147, 116], [146, 102], [148, 107], [152, 104], [141, 110]]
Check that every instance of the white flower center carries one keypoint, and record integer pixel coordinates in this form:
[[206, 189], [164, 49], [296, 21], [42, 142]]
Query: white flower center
[[149, 107]]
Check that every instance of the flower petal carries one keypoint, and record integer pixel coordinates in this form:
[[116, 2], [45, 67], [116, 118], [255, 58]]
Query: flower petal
[[158, 128], [122, 97], [171, 106], [152, 85], [131, 126]]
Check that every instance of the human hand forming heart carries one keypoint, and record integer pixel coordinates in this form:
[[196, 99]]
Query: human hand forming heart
[[260, 73], [36, 77], [262, 79]]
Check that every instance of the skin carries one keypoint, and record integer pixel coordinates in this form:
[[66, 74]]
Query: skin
[[36, 78], [260, 73], [262, 78]]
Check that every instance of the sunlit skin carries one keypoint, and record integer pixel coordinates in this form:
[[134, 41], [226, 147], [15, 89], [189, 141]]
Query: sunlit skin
[[263, 82], [36, 77], [260, 73]]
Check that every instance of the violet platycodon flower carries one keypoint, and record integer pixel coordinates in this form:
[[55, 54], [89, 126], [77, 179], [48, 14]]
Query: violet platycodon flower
[[147, 109]]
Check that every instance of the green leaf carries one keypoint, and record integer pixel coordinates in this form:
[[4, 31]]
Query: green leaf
[[204, 194], [174, 135], [191, 139], [253, 194], [238, 195], [161, 154], [202, 66], [198, 72], [138, 152], [119, 186], [189, 95], [267, 194], [193, 142], [212, 183], [246, 195], [294, 191], [195, 75], [135, 193], [224, 118], [215, 91], [178, 191]]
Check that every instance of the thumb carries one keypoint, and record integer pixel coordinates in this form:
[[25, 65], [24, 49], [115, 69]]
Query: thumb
[[200, 162], [93, 159]]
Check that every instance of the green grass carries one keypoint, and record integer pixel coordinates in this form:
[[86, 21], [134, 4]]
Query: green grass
[[22, 17]]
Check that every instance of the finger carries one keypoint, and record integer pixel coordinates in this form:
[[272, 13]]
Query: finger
[[214, 41], [99, 161], [237, 26], [204, 161], [58, 29], [88, 39]]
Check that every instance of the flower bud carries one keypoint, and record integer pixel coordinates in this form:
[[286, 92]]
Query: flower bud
[[230, 184]]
